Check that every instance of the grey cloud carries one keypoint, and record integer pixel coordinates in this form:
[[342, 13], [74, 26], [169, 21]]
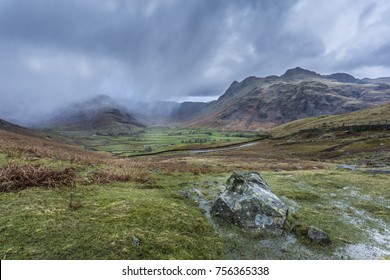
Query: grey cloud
[[53, 52]]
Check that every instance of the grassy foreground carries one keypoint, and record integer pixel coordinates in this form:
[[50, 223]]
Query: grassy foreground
[[103, 222], [156, 207]]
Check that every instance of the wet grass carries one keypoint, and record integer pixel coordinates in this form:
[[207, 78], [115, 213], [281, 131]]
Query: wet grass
[[344, 204], [335, 202], [100, 222], [167, 217]]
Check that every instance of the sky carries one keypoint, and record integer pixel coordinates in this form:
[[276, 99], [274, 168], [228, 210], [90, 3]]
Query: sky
[[54, 52]]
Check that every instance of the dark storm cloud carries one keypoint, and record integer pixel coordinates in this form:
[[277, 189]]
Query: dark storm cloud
[[52, 52]]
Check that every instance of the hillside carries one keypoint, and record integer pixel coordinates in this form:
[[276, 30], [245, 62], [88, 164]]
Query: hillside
[[371, 116], [13, 131], [7, 126], [263, 103]]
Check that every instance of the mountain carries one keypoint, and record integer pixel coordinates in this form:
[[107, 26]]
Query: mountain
[[262, 103], [101, 113]]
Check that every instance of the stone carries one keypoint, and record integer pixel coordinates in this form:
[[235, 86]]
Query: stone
[[135, 240], [183, 193], [248, 202], [318, 236]]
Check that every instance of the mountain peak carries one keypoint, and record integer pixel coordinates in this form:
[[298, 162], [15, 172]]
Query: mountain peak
[[343, 77], [298, 71], [99, 101]]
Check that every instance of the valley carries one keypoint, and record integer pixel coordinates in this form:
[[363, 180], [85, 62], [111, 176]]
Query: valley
[[154, 140], [108, 183]]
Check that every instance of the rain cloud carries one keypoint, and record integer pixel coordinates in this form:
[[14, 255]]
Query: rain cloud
[[53, 52]]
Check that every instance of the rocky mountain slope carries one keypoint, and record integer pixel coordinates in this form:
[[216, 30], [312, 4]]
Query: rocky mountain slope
[[262, 103]]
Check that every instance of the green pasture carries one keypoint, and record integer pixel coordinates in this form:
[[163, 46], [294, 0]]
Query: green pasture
[[156, 139]]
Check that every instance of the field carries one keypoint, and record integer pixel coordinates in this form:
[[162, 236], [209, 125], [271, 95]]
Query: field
[[157, 206], [156, 139]]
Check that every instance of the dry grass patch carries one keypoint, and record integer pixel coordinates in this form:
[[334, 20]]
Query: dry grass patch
[[106, 176], [16, 177]]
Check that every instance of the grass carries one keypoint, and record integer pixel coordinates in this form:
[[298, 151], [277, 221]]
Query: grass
[[42, 224], [335, 201], [3, 159]]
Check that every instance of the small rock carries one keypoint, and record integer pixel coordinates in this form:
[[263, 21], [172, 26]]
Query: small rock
[[135, 240], [183, 193], [318, 236], [87, 180]]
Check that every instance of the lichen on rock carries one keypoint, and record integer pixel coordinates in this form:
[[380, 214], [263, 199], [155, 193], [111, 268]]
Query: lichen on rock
[[249, 203]]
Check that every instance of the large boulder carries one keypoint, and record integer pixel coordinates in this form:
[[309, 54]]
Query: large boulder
[[249, 203]]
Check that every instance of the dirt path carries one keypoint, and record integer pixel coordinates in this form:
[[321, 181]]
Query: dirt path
[[206, 150]]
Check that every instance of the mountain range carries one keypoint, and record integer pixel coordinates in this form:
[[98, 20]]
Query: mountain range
[[252, 104], [261, 103]]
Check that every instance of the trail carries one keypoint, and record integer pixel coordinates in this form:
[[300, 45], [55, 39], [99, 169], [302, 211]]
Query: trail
[[205, 150]]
